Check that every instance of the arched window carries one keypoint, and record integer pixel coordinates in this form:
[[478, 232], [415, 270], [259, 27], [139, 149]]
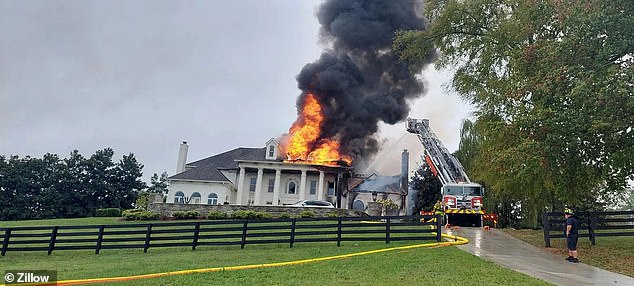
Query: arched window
[[358, 205], [195, 199], [292, 188], [179, 198], [212, 199]]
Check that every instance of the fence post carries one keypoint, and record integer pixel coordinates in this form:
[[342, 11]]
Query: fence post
[[148, 233], [339, 231], [293, 224], [546, 224], [244, 233], [196, 231], [51, 244], [387, 231], [592, 220], [438, 228], [5, 242], [99, 239]]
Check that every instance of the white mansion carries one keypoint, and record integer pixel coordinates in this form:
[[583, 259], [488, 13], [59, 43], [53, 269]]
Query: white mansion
[[250, 176]]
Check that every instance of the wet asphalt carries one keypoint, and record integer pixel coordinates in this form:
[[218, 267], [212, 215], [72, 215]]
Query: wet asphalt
[[496, 246]]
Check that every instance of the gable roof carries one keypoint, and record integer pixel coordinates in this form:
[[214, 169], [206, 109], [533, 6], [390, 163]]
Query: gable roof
[[201, 173]]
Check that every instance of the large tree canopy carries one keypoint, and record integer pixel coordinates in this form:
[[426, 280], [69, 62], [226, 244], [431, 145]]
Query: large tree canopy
[[33, 188], [552, 82]]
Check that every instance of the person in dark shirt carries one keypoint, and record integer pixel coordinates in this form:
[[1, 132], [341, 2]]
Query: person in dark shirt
[[572, 235]]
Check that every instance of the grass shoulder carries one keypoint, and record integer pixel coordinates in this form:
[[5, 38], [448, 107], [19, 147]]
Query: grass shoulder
[[614, 254]]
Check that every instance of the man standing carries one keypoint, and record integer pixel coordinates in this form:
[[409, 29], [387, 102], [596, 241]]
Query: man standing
[[438, 210], [572, 235]]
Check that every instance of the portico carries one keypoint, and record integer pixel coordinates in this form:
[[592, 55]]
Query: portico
[[278, 183]]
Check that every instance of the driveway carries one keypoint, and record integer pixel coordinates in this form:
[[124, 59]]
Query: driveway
[[510, 252]]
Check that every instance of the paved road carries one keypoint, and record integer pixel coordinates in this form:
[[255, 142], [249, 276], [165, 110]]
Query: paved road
[[510, 252]]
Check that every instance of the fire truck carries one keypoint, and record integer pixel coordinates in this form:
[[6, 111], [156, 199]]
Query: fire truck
[[461, 198]]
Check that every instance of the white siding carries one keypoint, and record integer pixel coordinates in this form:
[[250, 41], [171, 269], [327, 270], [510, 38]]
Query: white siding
[[204, 188]]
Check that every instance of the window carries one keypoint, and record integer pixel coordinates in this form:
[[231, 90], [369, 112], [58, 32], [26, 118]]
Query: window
[[358, 205], [473, 191], [331, 188], [271, 151], [292, 186], [313, 187], [212, 199], [195, 198], [179, 198], [252, 184], [271, 185]]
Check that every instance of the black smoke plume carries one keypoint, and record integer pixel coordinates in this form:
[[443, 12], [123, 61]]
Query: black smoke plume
[[358, 80]]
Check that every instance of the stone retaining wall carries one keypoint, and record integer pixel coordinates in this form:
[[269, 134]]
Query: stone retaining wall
[[167, 209]]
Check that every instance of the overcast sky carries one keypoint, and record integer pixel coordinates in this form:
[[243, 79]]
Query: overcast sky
[[142, 76]]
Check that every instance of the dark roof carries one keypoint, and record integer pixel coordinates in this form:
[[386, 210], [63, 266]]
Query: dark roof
[[257, 155], [202, 173], [379, 184], [225, 160]]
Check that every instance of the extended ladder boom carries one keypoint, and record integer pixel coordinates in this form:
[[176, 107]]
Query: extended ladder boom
[[443, 164]]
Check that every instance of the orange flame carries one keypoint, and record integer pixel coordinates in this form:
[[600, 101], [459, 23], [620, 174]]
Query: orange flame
[[305, 143]]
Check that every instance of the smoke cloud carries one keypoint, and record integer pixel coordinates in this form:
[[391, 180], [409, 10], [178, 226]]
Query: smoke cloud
[[358, 80]]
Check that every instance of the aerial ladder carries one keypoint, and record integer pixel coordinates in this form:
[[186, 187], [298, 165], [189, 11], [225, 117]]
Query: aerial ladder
[[461, 198]]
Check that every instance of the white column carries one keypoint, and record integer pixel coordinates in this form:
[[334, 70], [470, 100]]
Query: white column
[[302, 186], [320, 186], [258, 187], [240, 186], [276, 187]]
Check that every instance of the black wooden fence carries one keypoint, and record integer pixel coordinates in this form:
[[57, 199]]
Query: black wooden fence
[[226, 232], [591, 225]]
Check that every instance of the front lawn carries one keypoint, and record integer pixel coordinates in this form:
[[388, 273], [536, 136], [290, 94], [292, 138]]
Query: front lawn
[[615, 254], [418, 266]]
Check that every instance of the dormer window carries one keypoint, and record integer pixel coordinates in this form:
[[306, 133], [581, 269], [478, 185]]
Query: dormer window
[[271, 149]]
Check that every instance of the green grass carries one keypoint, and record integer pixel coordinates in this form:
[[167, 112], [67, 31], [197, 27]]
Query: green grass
[[401, 267], [421, 266], [615, 254]]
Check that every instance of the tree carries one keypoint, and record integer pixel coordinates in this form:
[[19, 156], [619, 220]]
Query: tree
[[552, 85], [128, 183], [33, 188], [158, 185], [427, 187]]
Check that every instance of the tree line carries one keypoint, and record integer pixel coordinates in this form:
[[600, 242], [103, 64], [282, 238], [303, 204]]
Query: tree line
[[52, 187], [551, 84]]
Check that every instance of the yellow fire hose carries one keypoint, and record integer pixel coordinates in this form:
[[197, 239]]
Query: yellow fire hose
[[455, 240]]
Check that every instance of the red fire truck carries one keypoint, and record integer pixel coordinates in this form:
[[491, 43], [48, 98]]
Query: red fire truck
[[461, 198]]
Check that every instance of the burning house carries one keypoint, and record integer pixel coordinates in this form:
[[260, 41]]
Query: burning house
[[356, 83], [254, 176]]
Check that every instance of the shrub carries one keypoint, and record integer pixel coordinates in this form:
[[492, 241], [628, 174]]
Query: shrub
[[306, 214], [186, 214], [387, 204], [142, 201], [109, 212], [337, 213], [253, 215], [217, 215], [139, 214], [285, 215]]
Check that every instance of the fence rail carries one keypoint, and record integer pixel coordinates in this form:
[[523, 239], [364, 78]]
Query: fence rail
[[212, 233], [591, 225]]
